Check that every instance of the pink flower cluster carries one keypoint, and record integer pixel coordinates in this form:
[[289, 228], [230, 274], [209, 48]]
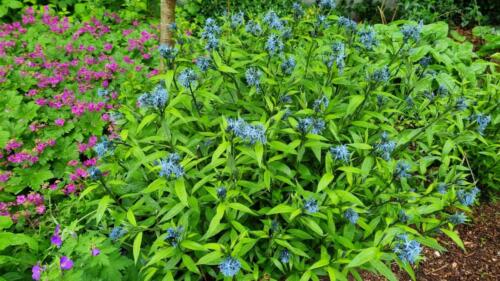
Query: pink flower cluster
[[24, 206]]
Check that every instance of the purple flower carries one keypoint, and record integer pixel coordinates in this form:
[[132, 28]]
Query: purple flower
[[65, 263], [95, 251], [37, 271], [56, 239]]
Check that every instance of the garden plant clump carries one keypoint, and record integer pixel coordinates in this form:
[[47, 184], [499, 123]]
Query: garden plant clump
[[269, 148]]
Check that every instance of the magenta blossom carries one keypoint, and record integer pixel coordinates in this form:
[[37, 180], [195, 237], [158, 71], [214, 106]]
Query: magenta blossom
[[95, 251], [59, 122], [36, 272], [56, 239], [65, 263]]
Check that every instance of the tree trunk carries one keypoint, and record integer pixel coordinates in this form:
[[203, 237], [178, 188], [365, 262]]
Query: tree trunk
[[167, 18], [167, 10]]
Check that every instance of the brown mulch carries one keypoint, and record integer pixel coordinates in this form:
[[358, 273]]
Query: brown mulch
[[481, 261]]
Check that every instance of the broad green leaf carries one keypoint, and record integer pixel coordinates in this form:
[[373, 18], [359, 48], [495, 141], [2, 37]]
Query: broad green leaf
[[324, 182], [454, 236], [364, 256], [137, 246], [180, 191]]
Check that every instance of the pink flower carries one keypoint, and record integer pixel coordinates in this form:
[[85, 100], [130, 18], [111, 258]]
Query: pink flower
[[108, 46], [56, 239], [95, 251], [21, 199], [90, 162], [36, 272], [59, 122], [40, 209], [65, 263], [73, 162], [13, 144], [5, 176]]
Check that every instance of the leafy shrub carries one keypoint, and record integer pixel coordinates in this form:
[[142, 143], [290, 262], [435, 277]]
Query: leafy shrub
[[58, 95], [293, 147]]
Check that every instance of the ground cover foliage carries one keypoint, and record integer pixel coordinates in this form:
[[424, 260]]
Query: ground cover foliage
[[271, 147]]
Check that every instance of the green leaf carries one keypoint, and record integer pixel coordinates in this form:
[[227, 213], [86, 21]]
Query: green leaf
[[364, 256], [180, 191], [195, 246], [5, 222], [242, 208], [383, 269], [189, 263], [325, 180], [454, 236], [281, 209], [137, 246], [215, 222], [313, 226], [102, 207], [354, 102], [319, 264], [227, 69], [210, 258], [148, 119], [155, 185], [131, 217]]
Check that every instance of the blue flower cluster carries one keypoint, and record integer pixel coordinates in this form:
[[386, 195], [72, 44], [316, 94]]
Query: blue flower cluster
[[368, 37], [253, 28], [425, 61], [402, 170], [385, 147], [381, 75], [321, 103], [341, 153], [326, 5], [211, 33], [298, 11], [229, 267], [252, 76], [237, 19], [203, 63], [174, 235], [157, 98], [170, 167], [285, 256], [249, 133], [457, 218], [412, 32], [467, 198], [351, 215], [337, 57], [104, 146], [102, 92], [274, 44], [403, 217], [407, 250], [94, 173], [442, 90], [167, 51], [273, 20], [311, 206], [482, 121], [117, 232], [311, 125], [221, 192], [288, 65], [187, 78], [461, 104], [442, 188], [348, 24]]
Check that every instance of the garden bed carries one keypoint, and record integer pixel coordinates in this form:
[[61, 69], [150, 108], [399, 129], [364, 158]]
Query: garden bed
[[480, 261]]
